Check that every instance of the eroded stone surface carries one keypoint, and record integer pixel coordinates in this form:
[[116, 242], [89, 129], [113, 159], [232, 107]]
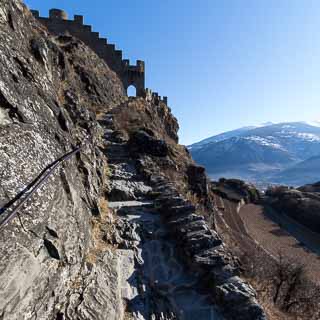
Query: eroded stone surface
[[44, 113], [160, 285]]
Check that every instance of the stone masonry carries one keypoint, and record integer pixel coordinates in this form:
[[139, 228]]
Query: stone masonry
[[58, 23]]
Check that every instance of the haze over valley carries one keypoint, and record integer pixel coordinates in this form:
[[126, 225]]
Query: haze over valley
[[282, 153]]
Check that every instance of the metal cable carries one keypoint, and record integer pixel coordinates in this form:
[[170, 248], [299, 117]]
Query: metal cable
[[34, 186]]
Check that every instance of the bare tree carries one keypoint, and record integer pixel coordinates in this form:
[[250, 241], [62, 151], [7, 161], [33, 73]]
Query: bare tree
[[283, 282]]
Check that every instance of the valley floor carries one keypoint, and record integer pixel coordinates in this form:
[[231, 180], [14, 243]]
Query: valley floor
[[291, 239], [256, 234]]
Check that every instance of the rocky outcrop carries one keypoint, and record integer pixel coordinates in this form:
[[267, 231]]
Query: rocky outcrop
[[301, 204], [314, 187], [205, 254], [198, 180], [236, 190], [143, 142]]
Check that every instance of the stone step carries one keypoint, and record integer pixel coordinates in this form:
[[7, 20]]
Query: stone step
[[106, 122], [130, 204], [117, 153], [108, 133], [195, 228], [198, 244], [167, 193], [117, 147], [117, 160], [210, 257], [190, 218], [171, 202], [118, 157], [187, 228], [157, 180], [180, 211]]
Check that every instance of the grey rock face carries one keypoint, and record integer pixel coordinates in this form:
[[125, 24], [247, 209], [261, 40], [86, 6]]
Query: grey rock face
[[122, 190], [302, 204], [198, 179], [45, 272], [143, 142]]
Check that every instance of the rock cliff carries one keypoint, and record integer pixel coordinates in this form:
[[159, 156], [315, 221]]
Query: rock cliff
[[301, 204], [124, 229]]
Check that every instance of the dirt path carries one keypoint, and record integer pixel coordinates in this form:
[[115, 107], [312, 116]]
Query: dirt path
[[229, 212], [261, 225]]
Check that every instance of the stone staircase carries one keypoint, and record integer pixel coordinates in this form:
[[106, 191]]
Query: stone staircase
[[117, 153], [160, 287], [181, 269]]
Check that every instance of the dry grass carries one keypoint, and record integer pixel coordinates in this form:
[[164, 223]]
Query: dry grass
[[257, 263], [275, 239], [128, 316], [100, 114], [99, 227], [193, 198], [107, 171]]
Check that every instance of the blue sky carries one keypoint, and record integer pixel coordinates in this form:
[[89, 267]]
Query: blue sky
[[222, 63]]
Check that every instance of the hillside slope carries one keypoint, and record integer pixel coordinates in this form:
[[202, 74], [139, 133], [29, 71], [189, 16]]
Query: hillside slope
[[304, 172], [125, 228]]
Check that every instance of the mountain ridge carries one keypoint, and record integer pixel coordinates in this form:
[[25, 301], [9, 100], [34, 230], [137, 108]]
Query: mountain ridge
[[259, 153]]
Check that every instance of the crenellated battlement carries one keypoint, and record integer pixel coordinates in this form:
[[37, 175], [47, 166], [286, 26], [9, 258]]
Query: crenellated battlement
[[58, 23], [154, 97]]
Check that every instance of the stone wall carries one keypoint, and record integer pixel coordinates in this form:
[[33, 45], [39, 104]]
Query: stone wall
[[58, 23]]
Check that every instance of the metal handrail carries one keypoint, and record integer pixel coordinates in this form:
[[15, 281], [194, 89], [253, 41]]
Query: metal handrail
[[34, 186]]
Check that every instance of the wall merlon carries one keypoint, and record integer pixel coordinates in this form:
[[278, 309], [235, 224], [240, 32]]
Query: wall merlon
[[87, 28], [35, 13], [154, 96], [57, 14], [95, 34], [78, 19], [165, 100], [112, 47], [103, 41], [141, 65]]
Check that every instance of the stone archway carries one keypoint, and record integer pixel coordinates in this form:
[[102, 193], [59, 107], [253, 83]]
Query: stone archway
[[136, 79], [131, 91]]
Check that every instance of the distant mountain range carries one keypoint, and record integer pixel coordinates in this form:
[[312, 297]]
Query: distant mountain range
[[285, 153]]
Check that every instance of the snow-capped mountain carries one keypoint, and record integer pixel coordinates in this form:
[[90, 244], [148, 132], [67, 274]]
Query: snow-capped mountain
[[221, 137], [259, 153], [315, 123]]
